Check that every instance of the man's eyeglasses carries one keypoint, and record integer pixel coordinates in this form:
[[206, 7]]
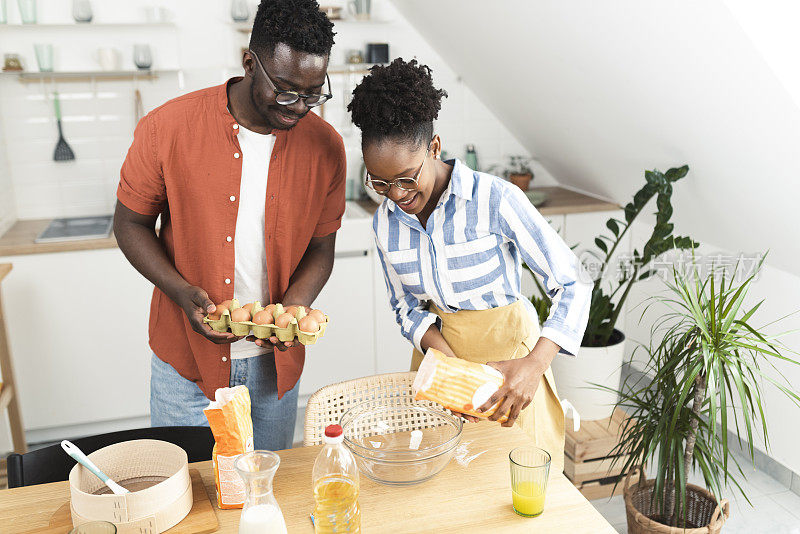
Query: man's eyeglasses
[[405, 183], [287, 98]]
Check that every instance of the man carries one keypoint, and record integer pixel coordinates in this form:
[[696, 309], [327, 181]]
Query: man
[[250, 189]]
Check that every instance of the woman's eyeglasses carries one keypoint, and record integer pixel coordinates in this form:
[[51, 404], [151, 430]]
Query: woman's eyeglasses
[[405, 183], [287, 98]]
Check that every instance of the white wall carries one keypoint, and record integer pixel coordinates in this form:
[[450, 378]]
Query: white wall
[[8, 210], [204, 44], [781, 294], [601, 91]]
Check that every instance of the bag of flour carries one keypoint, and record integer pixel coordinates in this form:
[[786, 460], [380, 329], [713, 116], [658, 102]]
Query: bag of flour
[[229, 418], [457, 384]]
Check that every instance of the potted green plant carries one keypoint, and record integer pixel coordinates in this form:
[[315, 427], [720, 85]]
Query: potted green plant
[[706, 364], [603, 346], [518, 171]]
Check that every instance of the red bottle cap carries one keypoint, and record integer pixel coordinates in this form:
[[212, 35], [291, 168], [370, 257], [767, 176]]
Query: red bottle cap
[[333, 431]]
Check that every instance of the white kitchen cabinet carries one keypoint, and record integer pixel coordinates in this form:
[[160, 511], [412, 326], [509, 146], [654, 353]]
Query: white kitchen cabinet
[[77, 326], [559, 224], [348, 349], [581, 229], [393, 351]]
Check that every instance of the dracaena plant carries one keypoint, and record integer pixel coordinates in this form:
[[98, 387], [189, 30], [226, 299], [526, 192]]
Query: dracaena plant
[[607, 301], [706, 368], [610, 292]]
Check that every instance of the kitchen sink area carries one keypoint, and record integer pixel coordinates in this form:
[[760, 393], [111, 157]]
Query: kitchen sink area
[[76, 228]]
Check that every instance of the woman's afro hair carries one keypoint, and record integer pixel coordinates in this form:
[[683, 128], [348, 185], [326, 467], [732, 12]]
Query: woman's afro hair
[[297, 23], [397, 101]]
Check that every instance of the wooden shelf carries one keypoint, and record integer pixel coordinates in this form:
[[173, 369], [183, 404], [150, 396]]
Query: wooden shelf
[[69, 26], [333, 70], [247, 27], [350, 68], [83, 76]]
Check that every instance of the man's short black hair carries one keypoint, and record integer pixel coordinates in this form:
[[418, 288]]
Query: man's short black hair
[[398, 102], [297, 23]]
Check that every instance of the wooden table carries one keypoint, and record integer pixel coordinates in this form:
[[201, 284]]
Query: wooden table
[[475, 498]]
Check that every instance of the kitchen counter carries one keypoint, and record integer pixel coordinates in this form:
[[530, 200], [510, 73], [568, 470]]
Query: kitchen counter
[[560, 201], [20, 238]]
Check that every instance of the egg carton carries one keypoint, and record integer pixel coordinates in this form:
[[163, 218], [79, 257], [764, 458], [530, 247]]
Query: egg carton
[[264, 331]]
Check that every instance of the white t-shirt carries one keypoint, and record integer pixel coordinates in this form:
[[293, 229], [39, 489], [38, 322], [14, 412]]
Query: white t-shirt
[[250, 277]]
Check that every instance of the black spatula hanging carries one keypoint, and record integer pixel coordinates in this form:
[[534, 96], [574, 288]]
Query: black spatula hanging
[[63, 151]]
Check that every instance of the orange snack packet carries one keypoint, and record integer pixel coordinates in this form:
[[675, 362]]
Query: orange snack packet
[[457, 384], [229, 418]]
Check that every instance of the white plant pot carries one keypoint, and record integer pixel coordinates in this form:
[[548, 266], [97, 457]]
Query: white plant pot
[[575, 379]]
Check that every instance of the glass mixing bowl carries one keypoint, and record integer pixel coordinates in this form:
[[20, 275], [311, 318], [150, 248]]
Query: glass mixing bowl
[[398, 441]]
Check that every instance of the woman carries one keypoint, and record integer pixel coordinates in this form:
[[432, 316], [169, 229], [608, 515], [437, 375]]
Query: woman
[[451, 241]]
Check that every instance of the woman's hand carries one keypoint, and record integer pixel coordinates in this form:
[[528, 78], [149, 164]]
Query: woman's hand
[[522, 377]]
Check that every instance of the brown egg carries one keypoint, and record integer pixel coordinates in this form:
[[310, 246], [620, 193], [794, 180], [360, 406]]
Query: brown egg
[[308, 324], [218, 311], [226, 303], [293, 309], [263, 317], [240, 315], [283, 320], [249, 307], [318, 315], [270, 308]]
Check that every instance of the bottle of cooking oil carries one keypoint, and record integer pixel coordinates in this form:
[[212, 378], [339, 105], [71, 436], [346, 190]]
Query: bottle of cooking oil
[[335, 479]]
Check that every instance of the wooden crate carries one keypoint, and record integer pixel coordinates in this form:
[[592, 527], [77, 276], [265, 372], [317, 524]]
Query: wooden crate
[[587, 458]]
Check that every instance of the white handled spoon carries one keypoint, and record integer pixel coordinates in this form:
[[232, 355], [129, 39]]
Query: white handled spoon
[[84, 460]]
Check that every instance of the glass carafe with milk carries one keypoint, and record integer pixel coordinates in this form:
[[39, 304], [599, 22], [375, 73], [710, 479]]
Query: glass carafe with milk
[[261, 513]]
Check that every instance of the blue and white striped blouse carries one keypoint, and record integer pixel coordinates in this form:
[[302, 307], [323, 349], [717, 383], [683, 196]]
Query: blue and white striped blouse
[[469, 258]]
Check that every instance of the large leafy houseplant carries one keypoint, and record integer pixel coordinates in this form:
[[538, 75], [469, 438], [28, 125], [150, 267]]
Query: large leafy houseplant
[[708, 358], [607, 302]]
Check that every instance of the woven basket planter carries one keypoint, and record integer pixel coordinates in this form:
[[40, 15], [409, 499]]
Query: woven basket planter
[[704, 515]]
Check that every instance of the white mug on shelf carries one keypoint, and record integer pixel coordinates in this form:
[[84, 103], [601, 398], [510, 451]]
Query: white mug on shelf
[[109, 58]]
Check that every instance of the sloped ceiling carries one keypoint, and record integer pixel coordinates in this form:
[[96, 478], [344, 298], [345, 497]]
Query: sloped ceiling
[[600, 91]]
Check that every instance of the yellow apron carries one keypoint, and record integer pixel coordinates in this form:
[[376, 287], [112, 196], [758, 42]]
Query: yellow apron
[[507, 333]]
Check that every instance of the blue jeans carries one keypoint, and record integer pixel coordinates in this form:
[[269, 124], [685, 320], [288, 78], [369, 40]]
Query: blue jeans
[[176, 401]]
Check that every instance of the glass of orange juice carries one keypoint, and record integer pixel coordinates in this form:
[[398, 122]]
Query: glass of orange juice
[[530, 467]]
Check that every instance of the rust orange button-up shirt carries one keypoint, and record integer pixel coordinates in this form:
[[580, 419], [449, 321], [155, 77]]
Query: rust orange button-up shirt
[[185, 164]]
